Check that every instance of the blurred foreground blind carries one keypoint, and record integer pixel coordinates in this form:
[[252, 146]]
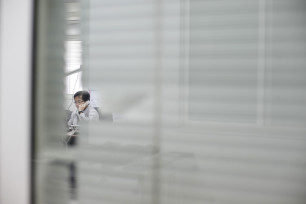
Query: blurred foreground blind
[[208, 99], [50, 173]]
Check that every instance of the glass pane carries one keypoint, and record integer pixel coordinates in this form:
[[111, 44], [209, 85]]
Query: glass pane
[[73, 83], [224, 54], [192, 102]]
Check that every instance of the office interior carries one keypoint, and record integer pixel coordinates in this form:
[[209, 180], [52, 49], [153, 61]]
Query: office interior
[[199, 101]]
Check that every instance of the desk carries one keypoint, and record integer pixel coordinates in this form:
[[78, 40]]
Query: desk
[[69, 137]]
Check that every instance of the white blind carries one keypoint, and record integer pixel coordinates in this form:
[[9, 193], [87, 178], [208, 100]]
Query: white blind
[[210, 96], [208, 101]]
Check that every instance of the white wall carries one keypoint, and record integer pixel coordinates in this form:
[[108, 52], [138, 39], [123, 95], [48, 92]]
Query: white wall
[[15, 96]]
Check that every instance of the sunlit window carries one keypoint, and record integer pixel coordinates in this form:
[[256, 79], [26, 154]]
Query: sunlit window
[[73, 64]]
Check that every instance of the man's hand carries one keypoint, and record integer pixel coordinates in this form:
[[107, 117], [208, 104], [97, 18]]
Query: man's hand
[[83, 106]]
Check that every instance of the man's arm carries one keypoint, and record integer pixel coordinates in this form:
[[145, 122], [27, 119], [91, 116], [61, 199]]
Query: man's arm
[[70, 122]]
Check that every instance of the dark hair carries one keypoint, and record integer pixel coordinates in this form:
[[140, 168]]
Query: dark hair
[[84, 95]]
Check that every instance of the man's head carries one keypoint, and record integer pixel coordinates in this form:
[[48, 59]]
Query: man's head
[[81, 97]]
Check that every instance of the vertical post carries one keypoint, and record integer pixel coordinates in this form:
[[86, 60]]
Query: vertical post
[[158, 31], [261, 84]]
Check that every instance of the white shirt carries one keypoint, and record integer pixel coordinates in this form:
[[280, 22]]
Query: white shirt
[[90, 113]]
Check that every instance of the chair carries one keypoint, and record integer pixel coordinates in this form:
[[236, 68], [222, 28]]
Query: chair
[[105, 116]]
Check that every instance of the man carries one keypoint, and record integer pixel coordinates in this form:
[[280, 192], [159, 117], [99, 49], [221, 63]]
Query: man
[[85, 111]]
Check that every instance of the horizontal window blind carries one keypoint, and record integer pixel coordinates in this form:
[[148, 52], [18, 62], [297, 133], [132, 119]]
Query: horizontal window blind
[[211, 102], [207, 99], [50, 160]]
